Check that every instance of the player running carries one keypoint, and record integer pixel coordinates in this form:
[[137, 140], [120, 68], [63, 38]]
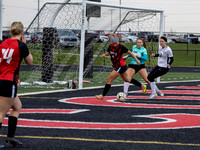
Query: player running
[[12, 52], [165, 59], [116, 50], [140, 52]]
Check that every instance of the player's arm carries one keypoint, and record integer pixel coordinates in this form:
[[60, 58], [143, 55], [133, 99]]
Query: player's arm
[[132, 55], [144, 56], [155, 55], [29, 59], [106, 54], [170, 59]]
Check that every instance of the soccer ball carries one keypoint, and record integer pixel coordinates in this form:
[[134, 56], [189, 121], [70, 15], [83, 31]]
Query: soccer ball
[[121, 96]]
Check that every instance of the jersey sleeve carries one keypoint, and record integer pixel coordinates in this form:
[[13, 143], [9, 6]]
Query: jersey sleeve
[[144, 55], [124, 49], [24, 52], [170, 53]]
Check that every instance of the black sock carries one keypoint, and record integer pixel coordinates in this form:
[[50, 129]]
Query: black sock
[[106, 89], [135, 82], [0, 125], [12, 124]]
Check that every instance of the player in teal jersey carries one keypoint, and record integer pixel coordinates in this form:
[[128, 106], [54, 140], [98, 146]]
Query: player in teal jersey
[[140, 52]]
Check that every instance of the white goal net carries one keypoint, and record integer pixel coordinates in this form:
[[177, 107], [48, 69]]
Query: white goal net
[[55, 42]]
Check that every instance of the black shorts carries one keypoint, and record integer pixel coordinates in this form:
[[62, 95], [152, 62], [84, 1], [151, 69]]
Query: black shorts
[[137, 67], [8, 88], [121, 70]]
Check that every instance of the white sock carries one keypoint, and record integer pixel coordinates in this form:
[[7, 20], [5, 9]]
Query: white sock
[[126, 86], [156, 88], [153, 87]]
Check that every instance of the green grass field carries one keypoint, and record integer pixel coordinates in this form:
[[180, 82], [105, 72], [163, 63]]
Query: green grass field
[[170, 76], [184, 55]]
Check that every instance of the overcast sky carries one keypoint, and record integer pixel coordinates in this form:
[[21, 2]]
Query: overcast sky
[[180, 15]]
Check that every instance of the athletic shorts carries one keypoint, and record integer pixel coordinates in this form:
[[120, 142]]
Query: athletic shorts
[[8, 88], [136, 67], [121, 70]]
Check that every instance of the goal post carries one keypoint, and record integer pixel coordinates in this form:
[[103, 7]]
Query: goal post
[[120, 7], [69, 46]]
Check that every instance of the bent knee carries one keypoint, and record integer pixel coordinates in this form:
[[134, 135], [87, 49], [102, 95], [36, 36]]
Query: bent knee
[[17, 108]]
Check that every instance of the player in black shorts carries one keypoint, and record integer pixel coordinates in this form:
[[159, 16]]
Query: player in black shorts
[[12, 52], [139, 50], [116, 50], [165, 59]]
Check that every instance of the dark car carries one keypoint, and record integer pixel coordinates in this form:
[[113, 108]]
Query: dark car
[[148, 36], [67, 38], [6, 34]]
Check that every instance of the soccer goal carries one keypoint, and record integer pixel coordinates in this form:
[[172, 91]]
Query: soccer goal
[[68, 39]]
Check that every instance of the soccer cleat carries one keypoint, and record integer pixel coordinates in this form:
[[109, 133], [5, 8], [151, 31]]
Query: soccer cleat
[[13, 141], [126, 94], [99, 97], [153, 95], [2, 146], [144, 88], [160, 93]]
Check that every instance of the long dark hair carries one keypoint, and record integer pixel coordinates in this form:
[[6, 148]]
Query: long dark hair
[[144, 43]]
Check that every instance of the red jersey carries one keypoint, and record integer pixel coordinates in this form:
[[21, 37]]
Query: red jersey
[[12, 51], [116, 54]]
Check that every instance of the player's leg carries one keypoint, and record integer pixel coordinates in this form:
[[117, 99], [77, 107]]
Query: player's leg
[[131, 72], [127, 78], [12, 123], [5, 104], [143, 73], [156, 72], [113, 75], [151, 77]]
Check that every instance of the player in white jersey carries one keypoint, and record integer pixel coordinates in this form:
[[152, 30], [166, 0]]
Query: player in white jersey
[[165, 59]]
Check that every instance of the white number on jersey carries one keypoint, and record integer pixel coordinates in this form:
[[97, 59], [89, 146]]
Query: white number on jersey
[[7, 54]]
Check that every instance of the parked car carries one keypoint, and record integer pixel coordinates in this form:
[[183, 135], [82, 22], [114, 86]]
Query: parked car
[[36, 37], [131, 37], [103, 38], [147, 36], [67, 38], [28, 36], [6, 34], [191, 38]]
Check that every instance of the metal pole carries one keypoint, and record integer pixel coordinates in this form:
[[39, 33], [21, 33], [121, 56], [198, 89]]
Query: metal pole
[[120, 15], [111, 11], [82, 47], [38, 16], [1, 19], [161, 32]]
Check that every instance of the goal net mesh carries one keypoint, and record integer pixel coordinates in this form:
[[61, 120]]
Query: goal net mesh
[[55, 35]]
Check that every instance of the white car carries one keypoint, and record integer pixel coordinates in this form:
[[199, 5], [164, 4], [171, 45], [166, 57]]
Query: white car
[[127, 37], [103, 38]]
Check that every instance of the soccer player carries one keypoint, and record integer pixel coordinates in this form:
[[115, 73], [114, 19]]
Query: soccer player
[[12, 52], [139, 50], [165, 59], [116, 50]]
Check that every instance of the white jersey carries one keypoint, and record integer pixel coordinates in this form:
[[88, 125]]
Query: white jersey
[[164, 54]]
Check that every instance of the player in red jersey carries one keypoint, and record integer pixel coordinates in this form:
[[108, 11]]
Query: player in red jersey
[[116, 50], [12, 52]]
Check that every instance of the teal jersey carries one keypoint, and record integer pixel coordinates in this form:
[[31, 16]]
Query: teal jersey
[[141, 51]]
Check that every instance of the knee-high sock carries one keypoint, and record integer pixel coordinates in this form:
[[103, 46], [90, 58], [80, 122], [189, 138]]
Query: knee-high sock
[[153, 87], [135, 82], [106, 89], [157, 89], [126, 86], [12, 124]]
